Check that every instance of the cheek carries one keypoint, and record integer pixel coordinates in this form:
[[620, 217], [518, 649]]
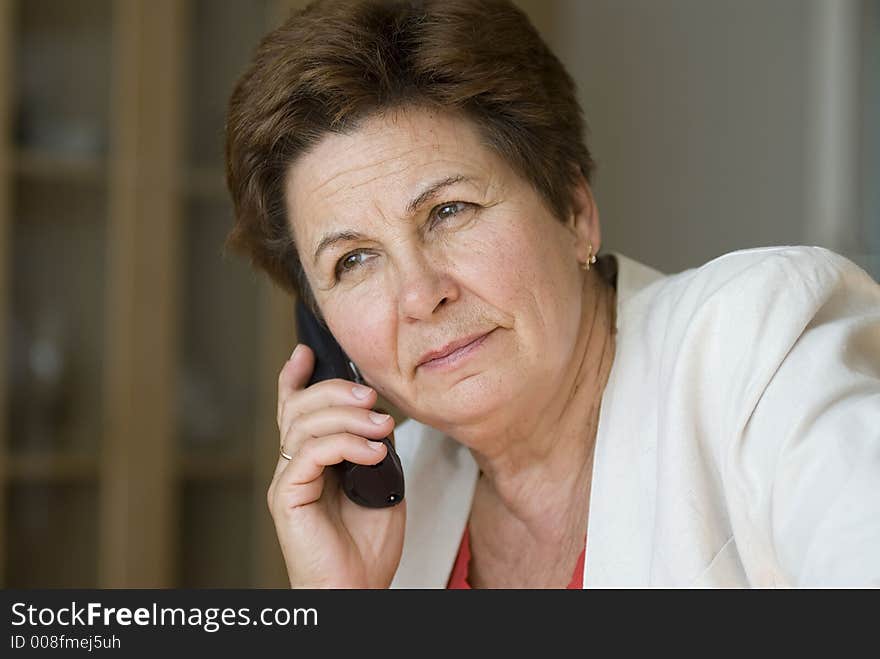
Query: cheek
[[511, 263], [367, 329], [528, 274]]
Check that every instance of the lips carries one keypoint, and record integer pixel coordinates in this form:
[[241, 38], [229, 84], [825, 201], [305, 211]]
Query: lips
[[450, 347]]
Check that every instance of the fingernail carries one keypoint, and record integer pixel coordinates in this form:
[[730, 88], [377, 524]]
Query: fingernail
[[376, 446], [293, 354], [359, 391], [379, 419]]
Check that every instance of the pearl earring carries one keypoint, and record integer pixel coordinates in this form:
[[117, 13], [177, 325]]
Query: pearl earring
[[591, 258]]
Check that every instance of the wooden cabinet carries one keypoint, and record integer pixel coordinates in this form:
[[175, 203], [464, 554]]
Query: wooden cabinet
[[138, 388]]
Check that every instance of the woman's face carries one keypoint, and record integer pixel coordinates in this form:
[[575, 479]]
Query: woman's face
[[415, 236]]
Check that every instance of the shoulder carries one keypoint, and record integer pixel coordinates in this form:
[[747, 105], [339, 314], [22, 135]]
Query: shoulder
[[811, 273], [712, 338], [773, 325], [743, 292]]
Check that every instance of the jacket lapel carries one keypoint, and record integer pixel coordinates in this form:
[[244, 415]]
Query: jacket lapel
[[441, 476]]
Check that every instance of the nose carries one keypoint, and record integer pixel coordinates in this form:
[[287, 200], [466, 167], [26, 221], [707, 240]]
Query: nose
[[425, 287]]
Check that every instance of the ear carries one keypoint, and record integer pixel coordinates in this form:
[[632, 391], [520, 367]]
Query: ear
[[583, 219]]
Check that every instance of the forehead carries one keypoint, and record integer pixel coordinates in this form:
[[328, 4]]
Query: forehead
[[383, 161]]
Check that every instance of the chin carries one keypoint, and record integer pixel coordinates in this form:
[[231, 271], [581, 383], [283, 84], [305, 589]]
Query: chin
[[467, 402]]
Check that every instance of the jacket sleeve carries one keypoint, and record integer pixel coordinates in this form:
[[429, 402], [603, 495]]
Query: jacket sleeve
[[804, 473]]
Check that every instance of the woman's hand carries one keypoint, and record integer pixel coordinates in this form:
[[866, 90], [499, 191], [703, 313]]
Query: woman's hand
[[326, 539]]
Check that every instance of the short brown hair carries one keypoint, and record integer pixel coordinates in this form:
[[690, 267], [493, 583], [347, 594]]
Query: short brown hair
[[336, 63]]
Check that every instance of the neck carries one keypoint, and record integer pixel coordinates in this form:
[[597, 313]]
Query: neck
[[536, 473]]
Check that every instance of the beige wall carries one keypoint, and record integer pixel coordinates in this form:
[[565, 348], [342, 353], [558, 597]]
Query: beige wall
[[707, 123]]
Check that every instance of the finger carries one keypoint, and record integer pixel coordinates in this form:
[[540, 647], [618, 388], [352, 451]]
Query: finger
[[332, 420], [317, 453], [295, 374], [299, 495], [334, 392], [283, 462]]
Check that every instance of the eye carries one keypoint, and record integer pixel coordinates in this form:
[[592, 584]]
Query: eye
[[349, 262], [449, 210]]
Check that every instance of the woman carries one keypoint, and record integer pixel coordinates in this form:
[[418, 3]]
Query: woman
[[417, 172]]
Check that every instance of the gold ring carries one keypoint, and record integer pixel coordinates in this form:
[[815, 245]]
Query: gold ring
[[283, 454]]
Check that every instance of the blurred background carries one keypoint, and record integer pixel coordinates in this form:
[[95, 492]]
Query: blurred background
[[138, 393]]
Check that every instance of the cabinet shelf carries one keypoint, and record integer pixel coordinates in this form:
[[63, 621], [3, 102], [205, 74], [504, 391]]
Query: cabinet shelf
[[46, 165], [50, 467]]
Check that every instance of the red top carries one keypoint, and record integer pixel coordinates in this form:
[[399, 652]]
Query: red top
[[459, 577]]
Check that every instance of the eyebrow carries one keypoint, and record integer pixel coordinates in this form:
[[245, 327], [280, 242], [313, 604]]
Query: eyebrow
[[432, 191], [412, 207]]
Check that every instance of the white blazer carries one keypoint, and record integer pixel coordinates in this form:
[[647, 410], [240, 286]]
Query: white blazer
[[738, 440]]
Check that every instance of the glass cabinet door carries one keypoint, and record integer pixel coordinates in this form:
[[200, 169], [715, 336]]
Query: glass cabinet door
[[220, 312], [138, 355], [58, 99]]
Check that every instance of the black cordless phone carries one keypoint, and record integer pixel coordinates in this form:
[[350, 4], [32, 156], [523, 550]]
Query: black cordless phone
[[373, 486]]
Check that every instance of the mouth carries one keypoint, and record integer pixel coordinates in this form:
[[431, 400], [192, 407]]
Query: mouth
[[454, 353]]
